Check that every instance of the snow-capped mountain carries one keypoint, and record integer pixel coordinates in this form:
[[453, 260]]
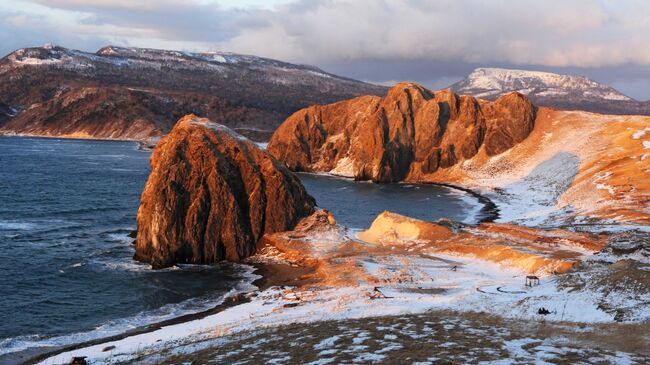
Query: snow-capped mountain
[[550, 89], [137, 93], [142, 58]]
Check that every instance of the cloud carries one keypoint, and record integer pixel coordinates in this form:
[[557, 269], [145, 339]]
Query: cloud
[[584, 33], [379, 40], [553, 33]]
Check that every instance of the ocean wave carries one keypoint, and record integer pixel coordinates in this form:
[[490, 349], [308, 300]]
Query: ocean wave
[[16, 225], [123, 265], [121, 325], [120, 237]]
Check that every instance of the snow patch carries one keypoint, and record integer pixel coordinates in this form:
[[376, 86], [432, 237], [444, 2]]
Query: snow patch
[[485, 82], [344, 167], [640, 133]]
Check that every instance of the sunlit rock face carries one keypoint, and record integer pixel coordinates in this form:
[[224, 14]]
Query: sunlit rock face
[[212, 194], [525, 249], [409, 133]]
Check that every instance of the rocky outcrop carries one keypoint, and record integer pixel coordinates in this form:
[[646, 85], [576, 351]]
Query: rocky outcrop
[[212, 194], [6, 112], [136, 93], [408, 134], [531, 250]]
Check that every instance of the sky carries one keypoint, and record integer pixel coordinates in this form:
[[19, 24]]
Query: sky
[[434, 42]]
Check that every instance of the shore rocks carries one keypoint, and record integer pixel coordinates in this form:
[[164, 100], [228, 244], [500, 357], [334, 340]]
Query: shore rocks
[[212, 194], [409, 133]]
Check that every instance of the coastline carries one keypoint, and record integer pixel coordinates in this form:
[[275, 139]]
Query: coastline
[[489, 212], [268, 277], [271, 275]]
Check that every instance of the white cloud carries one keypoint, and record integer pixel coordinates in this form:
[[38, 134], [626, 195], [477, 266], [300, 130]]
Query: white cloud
[[583, 33], [553, 33]]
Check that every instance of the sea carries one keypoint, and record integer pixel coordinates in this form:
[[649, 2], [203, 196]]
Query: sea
[[67, 272]]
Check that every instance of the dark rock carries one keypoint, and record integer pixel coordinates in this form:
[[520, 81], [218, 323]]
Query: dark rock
[[78, 360]]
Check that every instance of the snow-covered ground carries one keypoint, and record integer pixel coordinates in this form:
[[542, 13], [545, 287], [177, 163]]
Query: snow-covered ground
[[403, 285]]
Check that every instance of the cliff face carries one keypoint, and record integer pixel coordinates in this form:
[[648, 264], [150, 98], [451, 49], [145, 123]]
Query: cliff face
[[135, 93], [212, 194], [409, 133]]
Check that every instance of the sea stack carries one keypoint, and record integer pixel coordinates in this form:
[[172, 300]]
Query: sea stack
[[409, 134], [211, 195]]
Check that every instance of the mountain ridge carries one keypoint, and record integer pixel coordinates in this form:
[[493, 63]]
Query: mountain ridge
[[62, 92], [567, 92]]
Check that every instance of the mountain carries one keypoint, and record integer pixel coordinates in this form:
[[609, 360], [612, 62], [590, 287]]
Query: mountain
[[552, 90], [137, 93]]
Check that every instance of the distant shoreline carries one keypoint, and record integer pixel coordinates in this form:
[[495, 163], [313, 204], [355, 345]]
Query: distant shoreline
[[89, 138], [490, 210], [142, 144]]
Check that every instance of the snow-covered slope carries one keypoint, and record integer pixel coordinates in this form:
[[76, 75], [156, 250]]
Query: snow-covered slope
[[492, 82], [131, 57], [550, 89]]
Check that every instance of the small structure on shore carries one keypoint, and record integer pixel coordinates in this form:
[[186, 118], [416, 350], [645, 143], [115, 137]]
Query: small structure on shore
[[378, 294], [532, 280]]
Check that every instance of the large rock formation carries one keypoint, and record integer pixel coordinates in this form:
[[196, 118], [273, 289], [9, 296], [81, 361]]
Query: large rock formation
[[212, 194], [409, 133]]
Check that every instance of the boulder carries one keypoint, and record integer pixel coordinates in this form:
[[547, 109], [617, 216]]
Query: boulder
[[211, 195]]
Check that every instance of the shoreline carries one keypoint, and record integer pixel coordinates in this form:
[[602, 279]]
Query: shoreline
[[142, 145], [489, 212], [268, 278], [89, 138]]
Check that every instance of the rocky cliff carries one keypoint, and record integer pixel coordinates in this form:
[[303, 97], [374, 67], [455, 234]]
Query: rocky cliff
[[137, 93], [212, 194], [406, 135]]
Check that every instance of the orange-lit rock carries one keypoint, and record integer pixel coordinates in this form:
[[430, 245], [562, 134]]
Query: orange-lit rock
[[528, 249], [212, 194], [410, 132], [334, 259]]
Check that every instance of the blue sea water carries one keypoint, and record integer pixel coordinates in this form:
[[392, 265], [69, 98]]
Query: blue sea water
[[66, 268]]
